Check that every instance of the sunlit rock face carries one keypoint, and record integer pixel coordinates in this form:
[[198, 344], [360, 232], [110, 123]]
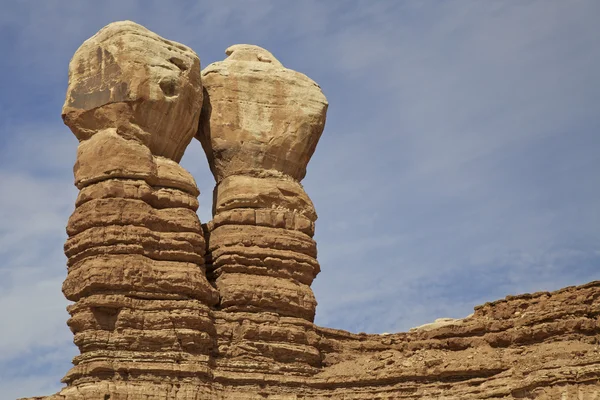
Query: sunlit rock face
[[136, 248], [262, 119], [149, 323], [259, 127], [132, 82]]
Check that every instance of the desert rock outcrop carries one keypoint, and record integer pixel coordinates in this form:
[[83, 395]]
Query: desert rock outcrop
[[167, 308], [259, 127], [135, 249]]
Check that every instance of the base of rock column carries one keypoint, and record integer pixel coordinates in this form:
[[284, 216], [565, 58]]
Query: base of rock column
[[538, 346]]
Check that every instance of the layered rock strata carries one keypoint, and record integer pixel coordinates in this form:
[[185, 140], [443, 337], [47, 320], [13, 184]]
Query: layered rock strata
[[135, 249], [150, 325], [259, 127], [544, 345], [538, 346]]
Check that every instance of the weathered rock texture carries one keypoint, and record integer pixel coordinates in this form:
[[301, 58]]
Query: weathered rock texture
[[136, 248], [148, 322], [260, 125], [536, 346]]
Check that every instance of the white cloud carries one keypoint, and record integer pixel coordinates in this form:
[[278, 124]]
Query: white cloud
[[37, 198], [29, 385], [33, 313]]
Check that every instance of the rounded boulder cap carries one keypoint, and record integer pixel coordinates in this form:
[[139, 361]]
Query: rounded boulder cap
[[259, 118], [250, 52]]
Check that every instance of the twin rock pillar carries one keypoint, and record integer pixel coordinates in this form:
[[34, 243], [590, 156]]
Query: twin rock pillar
[[138, 258], [259, 127], [136, 248]]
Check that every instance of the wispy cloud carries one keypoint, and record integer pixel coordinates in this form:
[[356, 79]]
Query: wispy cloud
[[37, 198]]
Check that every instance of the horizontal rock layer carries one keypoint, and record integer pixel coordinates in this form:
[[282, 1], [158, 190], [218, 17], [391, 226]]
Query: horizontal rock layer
[[136, 247], [136, 272], [148, 322], [259, 127], [540, 346]]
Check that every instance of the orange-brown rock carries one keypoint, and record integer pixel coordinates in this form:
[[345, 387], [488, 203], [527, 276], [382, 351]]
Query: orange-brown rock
[[131, 85], [136, 248], [150, 325], [538, 346], [262, 119], [259, 127]]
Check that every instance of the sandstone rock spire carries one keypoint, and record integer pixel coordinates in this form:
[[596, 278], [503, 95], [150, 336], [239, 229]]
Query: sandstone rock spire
[[259, 127], [151, 327], [135, 248]]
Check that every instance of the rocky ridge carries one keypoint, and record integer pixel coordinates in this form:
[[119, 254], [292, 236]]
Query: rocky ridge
[[167, 308]]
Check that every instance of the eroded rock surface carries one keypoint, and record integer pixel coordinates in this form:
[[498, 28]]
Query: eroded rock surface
[[259, 127], [136, 248], [538, 346], [148, 322], [130, 81]]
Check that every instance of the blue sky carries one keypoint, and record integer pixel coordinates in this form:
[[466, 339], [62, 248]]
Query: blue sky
[[459, 163]]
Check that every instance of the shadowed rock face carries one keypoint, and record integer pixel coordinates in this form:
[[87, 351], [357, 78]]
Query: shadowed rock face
[[259, 127], [135, 248], [149, 324]]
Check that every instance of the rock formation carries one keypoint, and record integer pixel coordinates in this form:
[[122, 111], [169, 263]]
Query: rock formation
[[167, 309], [260, 125], [135, 249]]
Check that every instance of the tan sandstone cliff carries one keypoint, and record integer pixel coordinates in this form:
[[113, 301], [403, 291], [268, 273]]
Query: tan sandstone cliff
[[165, 308]]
